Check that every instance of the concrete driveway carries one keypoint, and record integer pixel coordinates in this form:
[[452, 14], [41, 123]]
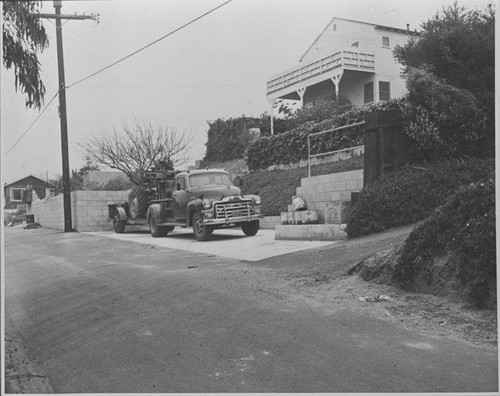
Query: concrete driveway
[[231, 243]]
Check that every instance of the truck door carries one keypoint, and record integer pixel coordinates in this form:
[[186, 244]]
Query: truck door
[[179, 197]]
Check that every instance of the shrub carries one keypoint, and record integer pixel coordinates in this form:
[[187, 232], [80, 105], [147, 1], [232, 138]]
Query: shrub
[[463, 230], [410, 194], [442, 119]]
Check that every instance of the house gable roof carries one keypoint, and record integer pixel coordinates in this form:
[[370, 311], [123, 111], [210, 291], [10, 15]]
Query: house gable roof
[[29, 180], [392, 29]]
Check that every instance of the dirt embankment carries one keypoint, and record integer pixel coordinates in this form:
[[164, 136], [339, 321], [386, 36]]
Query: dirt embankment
[[342, 276]]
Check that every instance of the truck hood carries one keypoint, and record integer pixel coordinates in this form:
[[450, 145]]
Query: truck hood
[[217, 192]]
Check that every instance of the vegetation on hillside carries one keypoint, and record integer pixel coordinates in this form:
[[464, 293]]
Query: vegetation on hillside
[[410, 194], [459, 239]]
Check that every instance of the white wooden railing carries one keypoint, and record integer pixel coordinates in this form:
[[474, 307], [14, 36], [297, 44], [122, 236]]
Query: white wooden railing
[[348, 59]]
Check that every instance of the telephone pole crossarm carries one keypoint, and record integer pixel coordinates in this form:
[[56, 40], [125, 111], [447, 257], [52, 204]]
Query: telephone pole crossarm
[[95, 17]]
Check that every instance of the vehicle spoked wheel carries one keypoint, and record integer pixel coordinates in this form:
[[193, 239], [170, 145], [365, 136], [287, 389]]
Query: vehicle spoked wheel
[[201, 231]]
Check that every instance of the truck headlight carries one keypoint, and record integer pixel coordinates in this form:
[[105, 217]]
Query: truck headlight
[[257, 200], [207, 204]]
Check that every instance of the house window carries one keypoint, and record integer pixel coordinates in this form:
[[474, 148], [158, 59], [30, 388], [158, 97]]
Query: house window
[[384, 90], [385, 42], [369, 92], [16, 194], [356, 44], [334, 27]]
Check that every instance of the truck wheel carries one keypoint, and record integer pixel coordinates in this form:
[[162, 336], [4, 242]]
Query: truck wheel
[[250, 228], [137, 203], [118, 224], [155, 229], [201, 231]]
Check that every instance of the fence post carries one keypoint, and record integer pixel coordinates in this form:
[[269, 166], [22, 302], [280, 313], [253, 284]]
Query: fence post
[[309, 155]]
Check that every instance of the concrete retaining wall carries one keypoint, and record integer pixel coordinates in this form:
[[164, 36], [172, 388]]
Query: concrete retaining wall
[[89, 210], [324, 159], [330, 194]]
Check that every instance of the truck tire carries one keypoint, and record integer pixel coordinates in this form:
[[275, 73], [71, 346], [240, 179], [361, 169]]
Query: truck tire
[[137, 203], [251, 228], [155, 229], [201, 232], [118, 224]]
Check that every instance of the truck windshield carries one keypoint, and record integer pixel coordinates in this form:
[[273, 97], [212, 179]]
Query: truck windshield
[[203, 179]]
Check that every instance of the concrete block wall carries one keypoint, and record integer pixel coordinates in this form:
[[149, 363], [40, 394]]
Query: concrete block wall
[[89, 210], [328, 194]]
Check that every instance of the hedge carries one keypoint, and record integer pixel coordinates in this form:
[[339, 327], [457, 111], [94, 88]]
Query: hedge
[[291, 147]]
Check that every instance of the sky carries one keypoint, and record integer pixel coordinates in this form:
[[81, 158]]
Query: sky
[[215, 68]]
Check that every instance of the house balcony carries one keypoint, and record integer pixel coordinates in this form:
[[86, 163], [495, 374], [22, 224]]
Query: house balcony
[[329, 67]]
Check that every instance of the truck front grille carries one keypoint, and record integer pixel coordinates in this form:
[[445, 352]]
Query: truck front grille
[[233, 209]]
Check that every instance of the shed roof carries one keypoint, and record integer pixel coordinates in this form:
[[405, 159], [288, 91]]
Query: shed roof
[[29, 180]]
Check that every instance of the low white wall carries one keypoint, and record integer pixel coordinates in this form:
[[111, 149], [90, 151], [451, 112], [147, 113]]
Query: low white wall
[[334, 157], [89, 210]]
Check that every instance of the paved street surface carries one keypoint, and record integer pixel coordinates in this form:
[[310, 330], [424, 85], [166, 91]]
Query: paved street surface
[[226, 243], [96, 314]]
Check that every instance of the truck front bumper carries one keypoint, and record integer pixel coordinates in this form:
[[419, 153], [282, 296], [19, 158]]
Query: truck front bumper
[[232, 220]]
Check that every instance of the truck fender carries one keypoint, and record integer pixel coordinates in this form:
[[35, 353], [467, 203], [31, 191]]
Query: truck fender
[[154, 210], [192, 206], [112, 209]]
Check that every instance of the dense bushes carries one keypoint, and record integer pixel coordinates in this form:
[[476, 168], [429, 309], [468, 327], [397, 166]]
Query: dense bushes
[[443, 120], [410, 194], [463, 232]]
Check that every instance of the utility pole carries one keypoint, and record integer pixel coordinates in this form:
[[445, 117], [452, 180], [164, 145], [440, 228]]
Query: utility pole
[[68, 222]]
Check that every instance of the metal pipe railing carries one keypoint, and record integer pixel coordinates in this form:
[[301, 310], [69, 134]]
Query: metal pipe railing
[[309, 156]]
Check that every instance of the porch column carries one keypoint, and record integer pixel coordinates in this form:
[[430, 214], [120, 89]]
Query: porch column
[[336, 82], [301, 92], [272, 102]]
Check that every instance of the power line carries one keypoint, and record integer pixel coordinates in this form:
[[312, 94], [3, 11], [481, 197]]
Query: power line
[[33, 123], [150, 44], [115, 63]]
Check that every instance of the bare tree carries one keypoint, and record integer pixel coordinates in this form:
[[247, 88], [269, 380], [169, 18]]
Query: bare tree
[[134, 151]]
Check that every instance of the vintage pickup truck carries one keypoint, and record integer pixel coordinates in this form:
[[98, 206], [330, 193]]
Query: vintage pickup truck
[[202, 199]]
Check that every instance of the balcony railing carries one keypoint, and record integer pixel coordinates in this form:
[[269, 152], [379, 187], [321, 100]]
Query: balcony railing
[[347, 59]]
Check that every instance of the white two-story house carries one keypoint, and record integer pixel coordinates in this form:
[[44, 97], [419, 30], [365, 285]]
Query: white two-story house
[[349, 58]]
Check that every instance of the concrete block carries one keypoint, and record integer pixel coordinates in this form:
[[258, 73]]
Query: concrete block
[[311, 232], [336, 212]]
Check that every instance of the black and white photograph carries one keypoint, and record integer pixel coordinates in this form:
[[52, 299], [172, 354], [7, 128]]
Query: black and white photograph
[[248, 196]]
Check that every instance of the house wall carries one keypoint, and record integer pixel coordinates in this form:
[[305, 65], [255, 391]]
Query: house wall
[[368, 39], [89, 210]]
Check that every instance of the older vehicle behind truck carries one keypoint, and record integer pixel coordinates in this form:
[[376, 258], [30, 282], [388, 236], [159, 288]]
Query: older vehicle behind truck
[[202, 199]]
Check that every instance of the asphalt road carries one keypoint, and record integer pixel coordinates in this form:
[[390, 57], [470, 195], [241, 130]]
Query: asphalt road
[[100, 315]]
